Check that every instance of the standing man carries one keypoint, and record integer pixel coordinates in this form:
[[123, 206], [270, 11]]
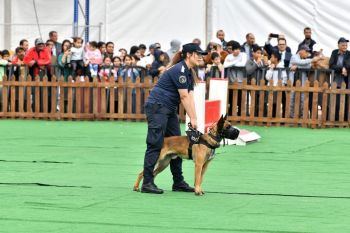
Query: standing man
[[340, 63], [109, 50], [247, 46], [38, 58], [174, 86], [56, 49], [24, 44], [220, 34], [307, 41]]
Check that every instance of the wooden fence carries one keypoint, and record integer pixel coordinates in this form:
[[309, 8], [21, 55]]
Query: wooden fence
[[57, 99]]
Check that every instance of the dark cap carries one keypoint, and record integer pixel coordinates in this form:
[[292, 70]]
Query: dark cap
[[38, 41], [304, 47], [154, 46], [342, 39], [192, 47]]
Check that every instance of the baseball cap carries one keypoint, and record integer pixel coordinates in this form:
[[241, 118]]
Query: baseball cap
[[304, 47], [38, 41], [342, 39], [192, 47]]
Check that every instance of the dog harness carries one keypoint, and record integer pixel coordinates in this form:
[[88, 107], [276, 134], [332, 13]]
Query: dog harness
[[195, 137]]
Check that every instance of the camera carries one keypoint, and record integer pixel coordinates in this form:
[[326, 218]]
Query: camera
[[273, 35]]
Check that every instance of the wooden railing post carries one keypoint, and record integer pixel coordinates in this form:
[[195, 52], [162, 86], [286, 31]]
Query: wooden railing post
[[5, 86], [54, 90]]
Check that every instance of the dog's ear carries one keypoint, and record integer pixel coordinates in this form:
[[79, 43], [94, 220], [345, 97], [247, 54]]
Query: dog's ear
[[221, 122], [225, 117]]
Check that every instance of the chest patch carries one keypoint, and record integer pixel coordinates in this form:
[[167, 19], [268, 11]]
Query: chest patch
[[182, 79]]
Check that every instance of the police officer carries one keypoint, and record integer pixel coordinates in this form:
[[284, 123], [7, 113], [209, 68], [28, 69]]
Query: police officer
[[174, 86]]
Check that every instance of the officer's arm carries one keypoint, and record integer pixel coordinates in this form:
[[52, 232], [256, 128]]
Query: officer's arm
[[188, 103]]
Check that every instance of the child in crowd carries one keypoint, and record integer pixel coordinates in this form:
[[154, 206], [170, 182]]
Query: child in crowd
[[128, 70], [106, 69], [201, 69], [4, 57], [122, 54], [273, 74], [92, 58], [77, 54], [133, 73], [4, 61], [217, 68], [117, 67]]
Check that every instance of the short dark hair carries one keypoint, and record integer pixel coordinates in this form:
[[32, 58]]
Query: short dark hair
[[256, 48], [21, 42], [307, 28], [75, 39], [5, 52], [142, 46], [214, 55], [218, 31], [276, 54], [49, 40], [233, 44], [51, 33], [18, 49], [109, 42], [116, 57], [93, 44], [100, 44]]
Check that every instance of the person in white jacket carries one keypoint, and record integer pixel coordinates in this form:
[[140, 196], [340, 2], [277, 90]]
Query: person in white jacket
[[235, 59], [235, 65]]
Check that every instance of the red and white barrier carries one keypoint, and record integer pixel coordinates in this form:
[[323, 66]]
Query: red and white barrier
[[218, 91], [199, 101]]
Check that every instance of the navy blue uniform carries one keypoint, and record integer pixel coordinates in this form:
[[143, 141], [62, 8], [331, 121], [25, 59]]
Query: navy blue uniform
[[161, 111]]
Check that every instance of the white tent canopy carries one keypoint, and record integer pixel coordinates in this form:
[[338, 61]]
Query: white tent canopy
[[132, 22]]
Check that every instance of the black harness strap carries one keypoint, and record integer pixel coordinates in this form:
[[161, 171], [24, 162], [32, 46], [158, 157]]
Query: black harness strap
[[195, 137], [203, 142]]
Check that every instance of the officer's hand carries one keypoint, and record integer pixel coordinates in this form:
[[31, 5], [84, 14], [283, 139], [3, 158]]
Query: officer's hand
[[194, 123]]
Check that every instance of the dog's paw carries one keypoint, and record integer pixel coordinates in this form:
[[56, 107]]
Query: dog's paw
[[200, 193]]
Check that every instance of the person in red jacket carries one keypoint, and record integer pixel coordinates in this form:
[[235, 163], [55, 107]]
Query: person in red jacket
[[37, 58]]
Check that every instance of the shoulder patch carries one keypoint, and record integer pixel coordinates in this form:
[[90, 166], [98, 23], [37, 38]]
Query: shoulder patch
[[182, 79]]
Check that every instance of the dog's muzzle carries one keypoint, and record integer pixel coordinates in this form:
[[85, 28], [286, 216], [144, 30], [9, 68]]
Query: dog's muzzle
[[231, 133]]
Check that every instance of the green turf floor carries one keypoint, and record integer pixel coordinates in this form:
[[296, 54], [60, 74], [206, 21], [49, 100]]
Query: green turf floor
[[78, 177]]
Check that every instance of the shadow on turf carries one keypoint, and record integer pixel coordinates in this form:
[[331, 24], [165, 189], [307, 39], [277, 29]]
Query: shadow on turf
[[279, 195]]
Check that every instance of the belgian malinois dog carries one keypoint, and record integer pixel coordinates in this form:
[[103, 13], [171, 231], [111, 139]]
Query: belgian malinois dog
[[200, 149]]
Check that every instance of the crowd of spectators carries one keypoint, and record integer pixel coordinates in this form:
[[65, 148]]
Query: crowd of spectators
[[226, 58]]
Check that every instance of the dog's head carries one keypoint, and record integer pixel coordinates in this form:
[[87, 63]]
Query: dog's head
[[225, 129]]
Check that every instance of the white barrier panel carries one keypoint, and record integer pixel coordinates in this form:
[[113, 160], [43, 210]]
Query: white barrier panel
[[199, 101], [245, 137], [218, 91]]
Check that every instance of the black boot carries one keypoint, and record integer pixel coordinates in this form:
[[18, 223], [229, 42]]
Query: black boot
[[182, 187], [151, 188]]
